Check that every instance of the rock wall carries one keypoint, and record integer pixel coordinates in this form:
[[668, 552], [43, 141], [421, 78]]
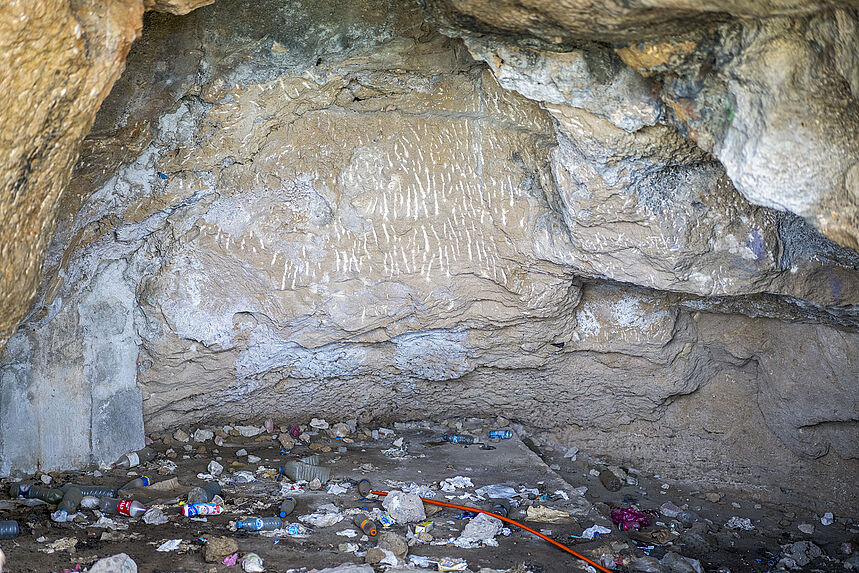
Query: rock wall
[[339, 211]]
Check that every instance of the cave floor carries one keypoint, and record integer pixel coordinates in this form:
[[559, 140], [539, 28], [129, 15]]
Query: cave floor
[[423, 460]]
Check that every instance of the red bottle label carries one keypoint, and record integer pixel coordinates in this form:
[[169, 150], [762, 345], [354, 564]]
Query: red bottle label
[[124, 507]]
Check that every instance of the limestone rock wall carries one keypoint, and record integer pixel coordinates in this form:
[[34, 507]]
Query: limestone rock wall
[[338, 211]]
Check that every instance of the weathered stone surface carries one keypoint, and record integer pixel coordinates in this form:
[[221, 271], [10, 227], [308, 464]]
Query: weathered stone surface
[[343, 215], [59, 61], [653, 209], [608, 20], [775, 101]]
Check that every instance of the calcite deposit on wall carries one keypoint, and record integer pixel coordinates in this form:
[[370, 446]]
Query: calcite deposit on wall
[[338, 211]]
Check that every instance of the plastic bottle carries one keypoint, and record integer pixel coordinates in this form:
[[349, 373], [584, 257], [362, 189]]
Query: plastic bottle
[[134, 459], [610, 480], [287, 507], [142, 481], [260, 524], [364, 487], [501, 434], [204, 494], [71, 500], [46, 494], [457, 439], [93, 490], [366, 525], [194, 509], [128, 507], [301, 470], [501, 508], [9, 529]]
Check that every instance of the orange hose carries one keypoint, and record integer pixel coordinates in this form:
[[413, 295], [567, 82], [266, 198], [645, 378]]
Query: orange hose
[[513, 522]]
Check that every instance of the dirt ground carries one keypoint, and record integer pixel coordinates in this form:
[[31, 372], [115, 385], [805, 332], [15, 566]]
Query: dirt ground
[[420, 463]]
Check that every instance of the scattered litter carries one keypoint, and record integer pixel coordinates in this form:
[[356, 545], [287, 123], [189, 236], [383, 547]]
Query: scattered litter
[[108, 523], [253, 459], [827, 518], [243, 477], [171, 545], [326, 516], [61, 544], [543, 514], [337, 489], [629, 518], [252, 563], [455, 483], [154, 516], [350, 533], [497, 491], [743, 523], [230, 560], [595, 531]]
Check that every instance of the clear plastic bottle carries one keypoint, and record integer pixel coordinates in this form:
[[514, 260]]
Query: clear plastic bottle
[[134, 459], [204, 494], [260, 524], [458, 439], [142, 481], [287, 507], [501, 434], [71, 500], [366, 525], [46, 494], [93, 490], [128, 507], [9, 529]]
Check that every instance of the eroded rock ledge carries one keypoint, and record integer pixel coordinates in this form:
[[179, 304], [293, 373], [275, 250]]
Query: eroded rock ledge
[[339, 211]]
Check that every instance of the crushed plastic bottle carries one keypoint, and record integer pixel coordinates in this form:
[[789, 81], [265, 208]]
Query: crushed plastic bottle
[[194, 509], [142, 481], [306, 470], [501, 434], [610, 480], [71, 500], [48, 495], [366, 525], [457, 439], [260, 524], [128, 507], [204, 494], [287, 507], [93, 490], [134, 459], [9, 529]]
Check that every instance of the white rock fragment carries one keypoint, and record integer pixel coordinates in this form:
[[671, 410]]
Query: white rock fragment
[[215, 468], [203, 435], [404, 507], [319, 424], [827, 518], [249, 431]]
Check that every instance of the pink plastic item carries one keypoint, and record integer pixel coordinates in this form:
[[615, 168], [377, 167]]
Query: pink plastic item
[[629, 518]]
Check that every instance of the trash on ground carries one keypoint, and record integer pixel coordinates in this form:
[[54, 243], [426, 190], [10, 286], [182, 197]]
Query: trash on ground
[[543, 514], [171, 545]]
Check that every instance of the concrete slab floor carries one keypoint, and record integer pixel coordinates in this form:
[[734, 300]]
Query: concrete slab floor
[[540, 478]]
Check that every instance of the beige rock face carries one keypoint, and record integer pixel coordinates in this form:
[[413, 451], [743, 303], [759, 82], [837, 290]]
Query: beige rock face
[[59, 61], [338, 212], [749, 93]]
